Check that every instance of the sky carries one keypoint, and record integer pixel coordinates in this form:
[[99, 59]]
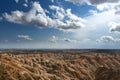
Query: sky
[[60, 24]]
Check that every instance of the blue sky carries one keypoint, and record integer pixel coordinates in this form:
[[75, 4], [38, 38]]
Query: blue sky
[[60, 24]]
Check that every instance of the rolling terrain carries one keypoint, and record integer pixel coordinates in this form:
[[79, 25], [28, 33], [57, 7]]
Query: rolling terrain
[[59, 65]]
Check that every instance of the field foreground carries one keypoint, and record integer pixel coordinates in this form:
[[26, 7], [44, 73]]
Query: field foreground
[[59, 65]]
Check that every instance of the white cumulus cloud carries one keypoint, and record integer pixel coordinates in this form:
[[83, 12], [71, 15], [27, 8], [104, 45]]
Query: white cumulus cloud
[[114, 27], [68, 40], [16, 1], [73, 21], [56, 39], [25, 5], [37, 16], [94, 2], [26, 37], [100, 4], [60, 12], [108, 39]]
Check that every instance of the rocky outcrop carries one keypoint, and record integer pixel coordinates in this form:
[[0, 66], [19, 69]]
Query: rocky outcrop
[[104, 73]]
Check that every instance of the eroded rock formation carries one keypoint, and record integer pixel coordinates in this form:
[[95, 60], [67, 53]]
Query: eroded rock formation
[[59, 66]]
